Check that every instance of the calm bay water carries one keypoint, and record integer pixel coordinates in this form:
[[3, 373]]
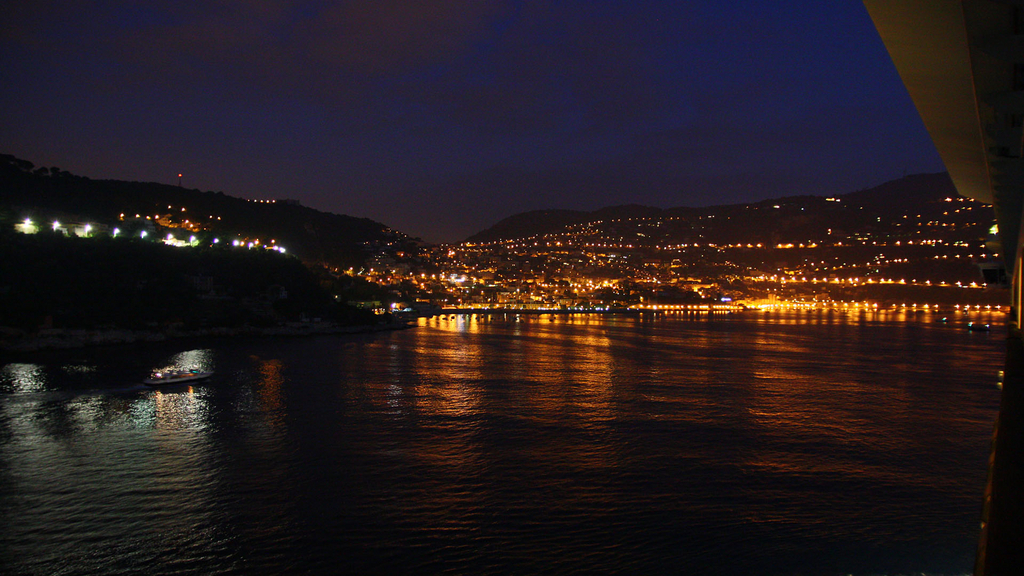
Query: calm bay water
[[795, 443]]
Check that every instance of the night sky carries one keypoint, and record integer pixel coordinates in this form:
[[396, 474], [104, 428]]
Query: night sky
[[440, 118]]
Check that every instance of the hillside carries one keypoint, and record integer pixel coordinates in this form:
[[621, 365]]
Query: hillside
[[769, 221], [53, 280], [46, 194]]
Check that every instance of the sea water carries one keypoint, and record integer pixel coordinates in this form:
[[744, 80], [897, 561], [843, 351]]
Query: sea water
[[783, 443]]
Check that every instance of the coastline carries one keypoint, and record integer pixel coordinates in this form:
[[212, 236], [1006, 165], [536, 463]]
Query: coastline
[[61, 339]]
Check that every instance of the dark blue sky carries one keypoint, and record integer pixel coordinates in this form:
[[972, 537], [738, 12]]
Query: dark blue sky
[[440, 118]]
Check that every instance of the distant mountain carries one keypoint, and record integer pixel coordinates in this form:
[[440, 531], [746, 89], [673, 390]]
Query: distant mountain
[[530, 223], [905, 192], [767, 220], [27, 191]]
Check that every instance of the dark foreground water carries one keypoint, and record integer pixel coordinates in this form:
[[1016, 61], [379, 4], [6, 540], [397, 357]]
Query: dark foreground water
[[802, 443]]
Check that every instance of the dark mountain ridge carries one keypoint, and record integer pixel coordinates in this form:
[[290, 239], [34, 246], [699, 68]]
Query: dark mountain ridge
[[49, 193], [754, 221]]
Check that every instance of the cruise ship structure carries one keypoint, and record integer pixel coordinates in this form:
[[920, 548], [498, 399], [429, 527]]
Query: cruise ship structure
[[962, 62]]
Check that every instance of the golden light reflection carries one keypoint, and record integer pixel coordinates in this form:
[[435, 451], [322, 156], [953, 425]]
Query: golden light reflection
[[262, 409], [180, 409], [268, 389], [552, 375]]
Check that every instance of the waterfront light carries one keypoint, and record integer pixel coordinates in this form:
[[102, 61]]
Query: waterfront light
[[56, 225], [27, 227]]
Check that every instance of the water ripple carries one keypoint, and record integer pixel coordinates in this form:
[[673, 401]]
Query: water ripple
[[804, 444]]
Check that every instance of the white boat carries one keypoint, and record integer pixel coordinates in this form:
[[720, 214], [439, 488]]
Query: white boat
[[164, 377]]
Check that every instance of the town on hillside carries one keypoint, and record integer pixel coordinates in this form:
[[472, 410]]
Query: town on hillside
[[910, 243]]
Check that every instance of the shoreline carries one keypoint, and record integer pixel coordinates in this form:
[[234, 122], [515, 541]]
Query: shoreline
[[12, 341], [697, 309]]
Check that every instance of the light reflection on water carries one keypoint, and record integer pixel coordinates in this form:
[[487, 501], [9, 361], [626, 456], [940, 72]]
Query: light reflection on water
[[815, 443], [202, 360], [180, 410], [16, 377]]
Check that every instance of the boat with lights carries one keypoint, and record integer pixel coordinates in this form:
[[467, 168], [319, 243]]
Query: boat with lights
[[165, 377]]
